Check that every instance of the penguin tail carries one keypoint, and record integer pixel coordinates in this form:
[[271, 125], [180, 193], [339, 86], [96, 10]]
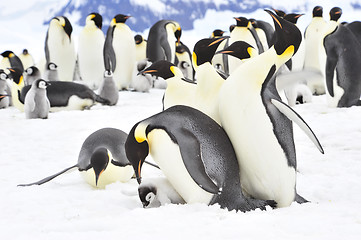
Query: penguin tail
[[47, 179], [102, 100]]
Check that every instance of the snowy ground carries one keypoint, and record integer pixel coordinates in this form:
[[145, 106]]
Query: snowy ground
[[67, 207]]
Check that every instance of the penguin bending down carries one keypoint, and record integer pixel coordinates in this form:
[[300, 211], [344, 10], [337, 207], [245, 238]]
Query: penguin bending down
[[68, 96], [253, 115], [31, 74], [59, 47], [101, 160], [161, 44], [119, 51], [10, 60], [90, 51], [195, 155], [36, 103]]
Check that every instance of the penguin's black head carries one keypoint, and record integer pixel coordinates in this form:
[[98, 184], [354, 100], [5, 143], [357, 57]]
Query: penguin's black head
[[288, 36], [41, 83], [317, 11], [231, 27], [52, 66], [25, 52], [181, 48], [147, 194], [242, 21], [138, 39], [99, 161], [97, 18], [8, 54], [205, 49], [137, 148], [292, 17], [178, 34], [279, 13], [217, 33], [239, 49], [16, 75], [161, 68], [335, 14], [30, 71], [253, 22], [120, 18], [65, 23]]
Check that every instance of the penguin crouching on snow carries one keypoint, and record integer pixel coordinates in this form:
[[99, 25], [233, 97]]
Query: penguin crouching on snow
[[119, 52], [252, 112], [195, 155]]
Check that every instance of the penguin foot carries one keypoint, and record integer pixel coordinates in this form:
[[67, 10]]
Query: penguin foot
[[299, 199]]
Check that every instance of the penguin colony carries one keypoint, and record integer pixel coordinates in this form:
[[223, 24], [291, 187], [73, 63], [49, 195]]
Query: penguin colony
[[221, 102]]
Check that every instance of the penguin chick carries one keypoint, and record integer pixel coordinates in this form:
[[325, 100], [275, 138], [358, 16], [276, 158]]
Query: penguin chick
[[140, 81], [51, 72], [108, 89], [31, 74], [37, 104], [101, 160], [4, 100]]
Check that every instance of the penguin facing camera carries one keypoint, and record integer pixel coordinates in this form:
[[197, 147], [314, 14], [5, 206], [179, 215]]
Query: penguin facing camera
[[51, 72], [31, 74], [36, 104], [26, 59], [140, 47]]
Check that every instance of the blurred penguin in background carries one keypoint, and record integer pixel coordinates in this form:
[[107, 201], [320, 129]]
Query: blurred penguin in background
[[4, 97], [119, 51], [142, 82], [140, 47], [10, 60], [59, 47], [26, 59], [90, 51]]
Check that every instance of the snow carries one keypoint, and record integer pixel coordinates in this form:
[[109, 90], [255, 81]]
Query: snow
[[68, 208]]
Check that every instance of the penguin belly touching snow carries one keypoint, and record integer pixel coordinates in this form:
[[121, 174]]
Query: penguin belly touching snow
[[119, 52], [36, 103], [254, 116], [90, 51], [108, 89], [195, 155], [59, 47], [102, 159]]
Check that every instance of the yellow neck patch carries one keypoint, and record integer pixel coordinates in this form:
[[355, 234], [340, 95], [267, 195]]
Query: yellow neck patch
[[194, 59], [139, 133]]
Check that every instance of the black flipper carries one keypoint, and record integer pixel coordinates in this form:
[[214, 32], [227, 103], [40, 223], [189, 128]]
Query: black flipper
[[108, 51], [47, 179], [192, 159]]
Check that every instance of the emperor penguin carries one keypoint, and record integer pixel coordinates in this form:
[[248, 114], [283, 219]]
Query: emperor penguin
[[101, 161], [17, 84], [90, 51], [26, 59], [31, 74], [161, 44], [253, 115], [4, 96], [156, 192], [313, 38], [36, 103], [179, 140], [343, 79], [51, 72], [140, 47], [179, 91], [108, 89], [219, 61], [119, 51], [59, 47], [241, 32], [184, 57], [69, 96], [10, 60]]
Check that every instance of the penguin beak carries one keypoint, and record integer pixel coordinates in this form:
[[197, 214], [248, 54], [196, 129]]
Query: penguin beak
[[150, 71], [220, 39], [138, 173], [224, 52], [97, 177]]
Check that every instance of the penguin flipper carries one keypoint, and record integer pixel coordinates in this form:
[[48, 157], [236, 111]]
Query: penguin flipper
[[47, 55], [166, 49], [295, 117], [47, 179], [192, 159], [108, 51], [331, 63]]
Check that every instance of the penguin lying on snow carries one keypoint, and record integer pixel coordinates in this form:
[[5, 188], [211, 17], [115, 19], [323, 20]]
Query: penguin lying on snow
[[101, 160], [69, 96], [195, 155], [36, 104]]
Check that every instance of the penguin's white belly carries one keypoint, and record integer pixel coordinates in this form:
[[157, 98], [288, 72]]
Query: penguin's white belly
[[111, 174], [124, 48], [75, 103], [90, 58], [15, 91], [62, 53], [167, 155], [264, 170]]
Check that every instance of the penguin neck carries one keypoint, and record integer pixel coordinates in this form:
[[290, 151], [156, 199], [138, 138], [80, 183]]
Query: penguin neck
[[207, 77], [331, 26]]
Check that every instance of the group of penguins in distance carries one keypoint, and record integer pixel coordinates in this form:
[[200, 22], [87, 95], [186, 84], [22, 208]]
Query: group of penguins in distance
[[224, 136]]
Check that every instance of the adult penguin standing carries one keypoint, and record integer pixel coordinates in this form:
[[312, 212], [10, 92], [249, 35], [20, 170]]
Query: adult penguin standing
[[119, 51], [59, 47], [161, 44], [90, 51], [254, 116]]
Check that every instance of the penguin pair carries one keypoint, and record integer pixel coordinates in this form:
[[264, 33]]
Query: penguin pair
[[59, 47], [253, 115], [195, 155], [119, 42], [102, 159]]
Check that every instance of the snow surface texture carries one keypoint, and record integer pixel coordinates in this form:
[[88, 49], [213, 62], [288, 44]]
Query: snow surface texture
[[69, 208]]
